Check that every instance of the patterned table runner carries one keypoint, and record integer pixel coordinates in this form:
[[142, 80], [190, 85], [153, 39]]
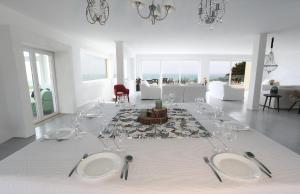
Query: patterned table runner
[[180, 124]]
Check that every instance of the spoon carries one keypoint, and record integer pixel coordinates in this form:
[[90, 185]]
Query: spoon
[[128, 158], [251, 155]]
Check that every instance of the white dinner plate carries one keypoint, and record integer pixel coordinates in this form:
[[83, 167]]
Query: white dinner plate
[[237, 126], [235, 166], [99, 166], [91, 115], [62, 133]]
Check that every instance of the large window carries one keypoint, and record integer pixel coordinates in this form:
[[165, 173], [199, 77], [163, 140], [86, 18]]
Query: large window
[[231, 72], [151, 71], [189, 72], [219, 71], [171, 71], [93, 67], [238, 71]]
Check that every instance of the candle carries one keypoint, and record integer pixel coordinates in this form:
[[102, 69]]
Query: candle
[[158, 104]]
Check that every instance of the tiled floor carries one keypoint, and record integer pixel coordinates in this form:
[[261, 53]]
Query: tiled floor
[[282, 127]]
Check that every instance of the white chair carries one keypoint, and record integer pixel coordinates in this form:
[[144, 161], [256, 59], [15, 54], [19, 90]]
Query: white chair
[[173, 89], [150, 92], [224, 92], [193, 91]]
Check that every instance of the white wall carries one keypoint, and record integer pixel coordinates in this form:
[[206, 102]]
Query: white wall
[[16, 31], [287, 56]]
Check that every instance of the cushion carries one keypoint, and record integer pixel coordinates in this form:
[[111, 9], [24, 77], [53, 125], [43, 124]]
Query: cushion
[[145, 83]]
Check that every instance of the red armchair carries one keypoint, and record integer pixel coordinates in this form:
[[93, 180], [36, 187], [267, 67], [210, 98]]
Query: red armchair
[[120, 91]]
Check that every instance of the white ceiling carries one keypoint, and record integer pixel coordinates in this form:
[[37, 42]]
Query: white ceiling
[[179, 33]]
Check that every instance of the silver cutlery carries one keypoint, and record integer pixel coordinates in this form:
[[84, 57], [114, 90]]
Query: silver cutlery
[[125, 168], [265, 172], [75, 167], [260, 168], [52, 139], [252, 156], [212, 168]]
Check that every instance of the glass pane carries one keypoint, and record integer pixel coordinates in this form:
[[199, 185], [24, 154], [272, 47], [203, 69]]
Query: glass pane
[[171, 72], [238, 73], [151, 71], [45, 83], [93, 67], [30, 83], [189, 72], [219, 71]]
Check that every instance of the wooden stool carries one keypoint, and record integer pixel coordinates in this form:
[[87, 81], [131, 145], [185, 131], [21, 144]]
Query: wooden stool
[[270, 96]]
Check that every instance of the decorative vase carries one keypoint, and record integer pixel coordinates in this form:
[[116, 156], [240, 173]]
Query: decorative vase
[[274, 90]]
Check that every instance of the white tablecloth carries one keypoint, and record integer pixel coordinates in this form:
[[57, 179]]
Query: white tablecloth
[[159, 166]]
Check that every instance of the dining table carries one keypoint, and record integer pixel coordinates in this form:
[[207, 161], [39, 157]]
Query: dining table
[[159, 165]]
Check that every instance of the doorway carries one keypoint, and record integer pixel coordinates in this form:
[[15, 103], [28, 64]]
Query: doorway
[[41, 81]]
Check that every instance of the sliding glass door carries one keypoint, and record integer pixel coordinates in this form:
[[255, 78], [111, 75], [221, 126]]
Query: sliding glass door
[[41, 83]]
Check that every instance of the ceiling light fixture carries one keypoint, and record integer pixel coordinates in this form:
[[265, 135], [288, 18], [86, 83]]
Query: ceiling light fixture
[[156, 13], [97, 11], [211, 12], [270, 64]]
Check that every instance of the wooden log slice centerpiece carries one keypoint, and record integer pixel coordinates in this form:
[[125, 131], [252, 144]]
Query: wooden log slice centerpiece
[[154, 116]]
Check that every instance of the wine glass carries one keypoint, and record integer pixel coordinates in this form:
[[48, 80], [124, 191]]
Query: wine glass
[[219, 114], [172, 99], [105, 132], [120, 135], [199, 102], [100, 107], [76, 121], [230, 135]]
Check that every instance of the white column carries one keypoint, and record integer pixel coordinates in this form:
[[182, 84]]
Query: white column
[[120, 62], [258, 59]]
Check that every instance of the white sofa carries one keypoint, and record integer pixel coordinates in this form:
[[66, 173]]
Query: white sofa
[[284, 91], [223, 91], [149, 92], [184, 93]]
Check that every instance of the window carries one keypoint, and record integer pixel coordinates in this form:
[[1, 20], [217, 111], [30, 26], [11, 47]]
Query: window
[[219, 71], [171, 72], [183, 72], [151, 71], [93, 67], [189, 72], [238, 73]]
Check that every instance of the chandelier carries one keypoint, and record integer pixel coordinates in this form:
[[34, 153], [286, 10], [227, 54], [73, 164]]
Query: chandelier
[[97, 11], [157, 11], [270, 64], [211, 12]]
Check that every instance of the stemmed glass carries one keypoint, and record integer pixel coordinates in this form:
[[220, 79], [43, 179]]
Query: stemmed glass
[[76, 120], [219, 114], [172, 99], [106, 132], [120, 135], [100, 106], [199, 102], [230, 134]]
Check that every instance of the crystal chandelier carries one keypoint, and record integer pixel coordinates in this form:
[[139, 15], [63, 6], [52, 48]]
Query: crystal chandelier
[[211, 12], [157, 11], [270, 64], [97, 11]]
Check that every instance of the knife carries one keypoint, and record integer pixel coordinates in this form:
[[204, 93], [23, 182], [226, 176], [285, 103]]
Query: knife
[[212, 168], [75, 167]]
